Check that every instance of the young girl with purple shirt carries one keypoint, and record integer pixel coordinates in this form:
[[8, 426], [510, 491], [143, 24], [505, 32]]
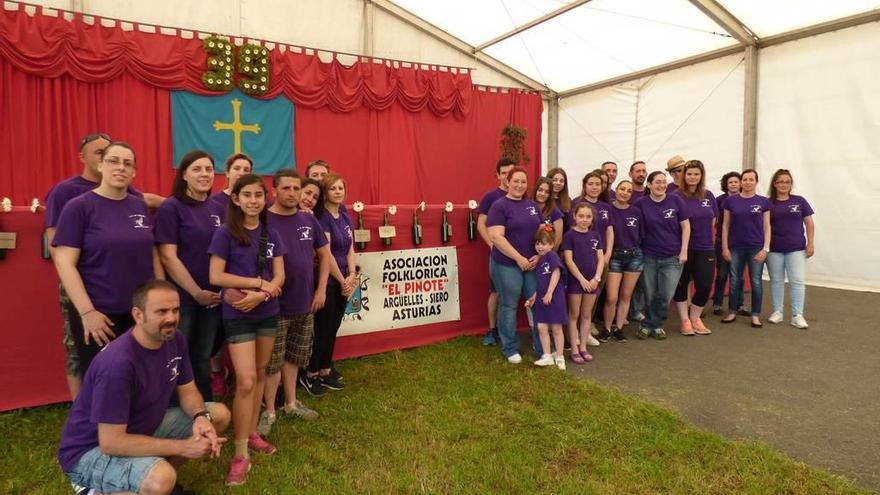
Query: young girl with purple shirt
[[185, 225], [548, 302], [745, 239], [583, 255], [104, 249], [552, 215], [790, 217], [247, 261], [627, 261]]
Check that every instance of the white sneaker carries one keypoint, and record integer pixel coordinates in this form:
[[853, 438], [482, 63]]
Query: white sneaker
[[776, 317], [592, 342], [593, 330], [264, 426], [546, 360], [798, 321], [515, 359], [560, 363]]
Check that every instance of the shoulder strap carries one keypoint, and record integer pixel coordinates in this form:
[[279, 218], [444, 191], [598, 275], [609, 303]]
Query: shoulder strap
[[261, 250]]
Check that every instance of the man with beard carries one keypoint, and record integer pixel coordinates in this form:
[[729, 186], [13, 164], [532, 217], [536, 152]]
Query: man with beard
[[610, 171], [638, 172], [121, 435]]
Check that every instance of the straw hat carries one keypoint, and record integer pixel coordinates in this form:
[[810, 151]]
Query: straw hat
[[674, 162]]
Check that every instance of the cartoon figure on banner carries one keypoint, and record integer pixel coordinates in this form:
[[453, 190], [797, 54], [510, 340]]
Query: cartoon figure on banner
[[357, 303]]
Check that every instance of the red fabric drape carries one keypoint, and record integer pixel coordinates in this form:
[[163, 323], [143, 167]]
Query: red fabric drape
[[50, 46]]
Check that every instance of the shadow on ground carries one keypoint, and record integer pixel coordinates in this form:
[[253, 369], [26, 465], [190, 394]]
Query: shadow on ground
[[813, 394]]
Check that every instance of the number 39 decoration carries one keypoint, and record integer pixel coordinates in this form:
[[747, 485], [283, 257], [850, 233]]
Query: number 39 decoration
[[253, 67]]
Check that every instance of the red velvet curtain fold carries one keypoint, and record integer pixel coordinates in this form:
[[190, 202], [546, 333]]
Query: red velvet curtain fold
[[49, 46]]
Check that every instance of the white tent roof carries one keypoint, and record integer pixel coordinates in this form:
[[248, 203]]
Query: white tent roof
[[568, 44]]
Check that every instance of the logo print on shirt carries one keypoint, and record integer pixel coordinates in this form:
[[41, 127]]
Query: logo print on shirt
[[595, 243], [705, 203], [603, 214], [348, 231], [216, 219], [139, 221], [172, 367], [532, 210], [305, 233], [270, 249], [755, 208], [670, 213], [794, 208], [545, 269], [632, 221]]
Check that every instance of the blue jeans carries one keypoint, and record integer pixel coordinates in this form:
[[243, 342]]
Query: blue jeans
[[637, 303], [512, 284], [792, 264], [200, 326], [739, 258], [661, 276]]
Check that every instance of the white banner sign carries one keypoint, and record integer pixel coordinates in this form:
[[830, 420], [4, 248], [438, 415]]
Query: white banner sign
[[400, 289]]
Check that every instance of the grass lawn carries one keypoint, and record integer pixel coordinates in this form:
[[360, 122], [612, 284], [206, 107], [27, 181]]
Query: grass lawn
[[456, 418]]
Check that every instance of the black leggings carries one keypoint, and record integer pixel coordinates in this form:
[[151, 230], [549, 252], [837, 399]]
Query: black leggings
[[700, 267], [86, 353], [327, 322]]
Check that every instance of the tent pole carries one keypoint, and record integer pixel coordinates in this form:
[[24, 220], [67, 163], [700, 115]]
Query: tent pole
[[552, 133], [368, 47], [750, 108]]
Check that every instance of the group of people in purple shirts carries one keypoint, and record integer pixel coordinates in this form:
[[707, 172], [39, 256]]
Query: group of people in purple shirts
[[620, 253], [267, 282]]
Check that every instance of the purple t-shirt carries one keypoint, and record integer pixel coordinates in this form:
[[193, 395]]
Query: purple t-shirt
[[115, 240], [601, 219], [555, 214], [190, 227], [241, 260], [636, 195], [628, 227], [520, 219], [489, 199], [787, 224], [341, 238], [671, 188], [662, 220], [126, 384], [584, 248], [746, 229], [557, 311], [64, 191], [221, 200], [302, 235], [701, 213]]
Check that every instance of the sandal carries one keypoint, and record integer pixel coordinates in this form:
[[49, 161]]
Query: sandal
[[586, 356], [576, 358]]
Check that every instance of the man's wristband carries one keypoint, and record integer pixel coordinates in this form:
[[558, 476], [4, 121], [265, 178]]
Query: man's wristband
[[205, 413]]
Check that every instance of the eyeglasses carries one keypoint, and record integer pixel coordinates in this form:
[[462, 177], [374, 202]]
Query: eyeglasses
[[93, 137], [116, 162]]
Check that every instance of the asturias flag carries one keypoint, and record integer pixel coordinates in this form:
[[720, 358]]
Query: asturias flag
[[233, 123]]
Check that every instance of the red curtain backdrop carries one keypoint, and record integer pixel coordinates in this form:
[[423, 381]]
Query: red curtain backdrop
[[398, 135]]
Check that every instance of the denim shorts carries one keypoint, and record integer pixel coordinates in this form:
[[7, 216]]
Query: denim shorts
[[241, 330], [626, 260], [107, 473]]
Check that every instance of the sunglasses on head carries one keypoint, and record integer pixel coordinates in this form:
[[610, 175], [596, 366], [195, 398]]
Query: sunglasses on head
[[93, 137]]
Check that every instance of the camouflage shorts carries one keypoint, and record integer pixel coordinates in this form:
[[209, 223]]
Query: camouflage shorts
[[293, 342], [71, 365]]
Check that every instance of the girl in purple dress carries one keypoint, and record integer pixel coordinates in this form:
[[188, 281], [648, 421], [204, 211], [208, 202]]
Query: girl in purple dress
[[548, 302], [247, 262], [582, 251]]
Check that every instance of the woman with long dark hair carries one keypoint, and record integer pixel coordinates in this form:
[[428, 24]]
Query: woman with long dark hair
[[745, 239], [237, 165], [665, 245], [729, 187], [512, 221], [104, 249], [185, 225], [320, 374], [552, 215], [559, 179], [791, 217], [700, 266], [247, 262]]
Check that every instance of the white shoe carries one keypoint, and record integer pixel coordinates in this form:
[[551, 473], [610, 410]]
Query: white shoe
[[592, 342], [546, 360], [776, 317], [515, 359], [560, 363], [798, 321], [593, 330]]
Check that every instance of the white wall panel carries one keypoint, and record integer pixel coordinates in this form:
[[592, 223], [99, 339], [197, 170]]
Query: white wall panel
[[696, 112], [595, 127], [819, 116]]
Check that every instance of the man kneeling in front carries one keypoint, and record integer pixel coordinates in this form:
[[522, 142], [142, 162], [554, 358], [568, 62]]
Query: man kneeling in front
[[121, 435]]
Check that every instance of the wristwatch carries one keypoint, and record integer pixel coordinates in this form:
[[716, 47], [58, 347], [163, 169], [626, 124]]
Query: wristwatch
[[205, 413]]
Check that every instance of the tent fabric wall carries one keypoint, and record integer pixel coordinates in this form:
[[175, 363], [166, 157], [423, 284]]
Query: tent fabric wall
[[819, 117]]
